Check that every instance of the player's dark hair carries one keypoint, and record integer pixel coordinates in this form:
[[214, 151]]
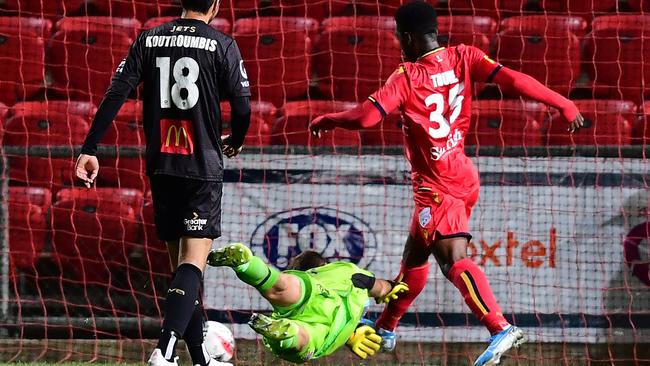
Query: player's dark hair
[[417, 17], [201, 6], [307, 260]]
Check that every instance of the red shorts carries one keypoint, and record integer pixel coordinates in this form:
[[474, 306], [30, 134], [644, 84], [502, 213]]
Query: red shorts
[[439, 215]]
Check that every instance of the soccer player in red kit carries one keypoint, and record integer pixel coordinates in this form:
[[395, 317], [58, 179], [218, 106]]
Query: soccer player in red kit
[[433, 91]]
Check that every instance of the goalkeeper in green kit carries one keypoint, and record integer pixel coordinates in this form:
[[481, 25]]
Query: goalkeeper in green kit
[[317, 305]]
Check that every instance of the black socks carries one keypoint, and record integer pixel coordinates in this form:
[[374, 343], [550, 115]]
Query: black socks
[[180, 308]]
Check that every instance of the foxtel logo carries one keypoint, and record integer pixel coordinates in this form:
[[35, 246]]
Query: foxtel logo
[[532, 254]]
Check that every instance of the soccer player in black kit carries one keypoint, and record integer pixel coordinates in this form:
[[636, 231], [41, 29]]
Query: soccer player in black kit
[[186, 67]]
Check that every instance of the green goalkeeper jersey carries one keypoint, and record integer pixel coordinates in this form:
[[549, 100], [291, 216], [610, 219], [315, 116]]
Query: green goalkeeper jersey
[[330, 311]]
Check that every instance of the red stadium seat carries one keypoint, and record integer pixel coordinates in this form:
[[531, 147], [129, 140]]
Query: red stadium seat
[[85, 110], [35, 27], [378, 7], [41, 197], [4, 110], [607, 122], [130, 27], [124, 172], [83, 61], [471, 30], [639, 5], [220, 24], [22, 66], [506, 123], [51, 129], [235, 9], [28, 207], [351, 64], [616, 61], [622, 22], [552, 57], [277, 58], [93, 238], [262, 118], [27, 231], [44, 9], [238, 9], [474, 7], [138, 9], [365, 22], [312, 9], [574, 24], [585, 8], [641, 128], [292, 129], [387, 133], [467, 24], [132, 197], [276, 25]]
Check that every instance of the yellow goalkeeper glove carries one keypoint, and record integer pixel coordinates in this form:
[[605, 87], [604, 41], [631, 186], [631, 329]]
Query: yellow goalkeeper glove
[[398, 288], [364, 342]]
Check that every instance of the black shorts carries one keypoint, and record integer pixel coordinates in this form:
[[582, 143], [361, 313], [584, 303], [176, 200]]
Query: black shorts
[[186, 207]]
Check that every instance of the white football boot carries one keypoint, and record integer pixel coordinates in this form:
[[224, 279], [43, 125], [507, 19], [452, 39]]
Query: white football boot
[[157, 359]]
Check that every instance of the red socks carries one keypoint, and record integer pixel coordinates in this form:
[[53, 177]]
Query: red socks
[[474, 286], [415, 278]]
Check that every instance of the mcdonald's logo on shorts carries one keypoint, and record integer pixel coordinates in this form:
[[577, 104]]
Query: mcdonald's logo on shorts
[[176, 137]]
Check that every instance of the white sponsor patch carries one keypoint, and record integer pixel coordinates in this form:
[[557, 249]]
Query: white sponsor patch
[[195, 223], [425, 216], [242, 69]]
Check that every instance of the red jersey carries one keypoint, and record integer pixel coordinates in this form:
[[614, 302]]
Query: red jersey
[[434, 95]]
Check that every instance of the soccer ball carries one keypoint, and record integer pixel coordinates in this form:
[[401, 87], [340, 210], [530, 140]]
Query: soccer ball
[[219, 341]]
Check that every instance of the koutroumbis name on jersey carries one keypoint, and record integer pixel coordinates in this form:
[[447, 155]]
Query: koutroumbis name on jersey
[[182, 41]]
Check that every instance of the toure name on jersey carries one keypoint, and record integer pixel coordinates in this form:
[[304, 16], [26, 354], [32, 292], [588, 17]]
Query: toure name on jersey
[[182, 41], [444, 78]]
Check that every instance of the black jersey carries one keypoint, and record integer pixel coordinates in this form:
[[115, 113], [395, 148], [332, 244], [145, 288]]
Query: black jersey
[[187, 68]]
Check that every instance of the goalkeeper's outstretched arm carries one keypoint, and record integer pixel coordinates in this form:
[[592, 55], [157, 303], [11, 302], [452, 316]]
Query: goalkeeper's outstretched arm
[[382, 291]]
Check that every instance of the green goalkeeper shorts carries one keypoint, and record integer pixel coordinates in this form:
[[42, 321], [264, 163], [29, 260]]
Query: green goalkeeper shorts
[[329, 316]]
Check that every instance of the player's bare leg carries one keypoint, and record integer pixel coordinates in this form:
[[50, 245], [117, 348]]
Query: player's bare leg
[[413, 272], [182, 297], [451, 254], [173, 247], [283, 291]]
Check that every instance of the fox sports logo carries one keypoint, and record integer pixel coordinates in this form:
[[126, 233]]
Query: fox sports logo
[[335, 234]]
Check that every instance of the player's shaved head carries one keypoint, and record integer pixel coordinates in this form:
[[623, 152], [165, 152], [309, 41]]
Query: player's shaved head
[[199, 6], [307, 260], [417, 18]]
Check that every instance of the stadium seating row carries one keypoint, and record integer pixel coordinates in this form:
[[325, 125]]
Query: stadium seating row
[[91, 232], [320, 9], [494, 123], [347, 58]]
